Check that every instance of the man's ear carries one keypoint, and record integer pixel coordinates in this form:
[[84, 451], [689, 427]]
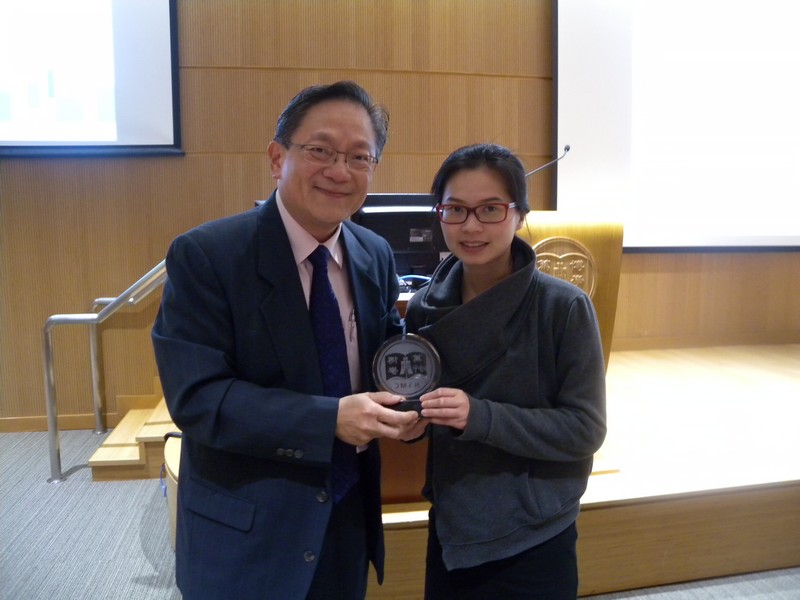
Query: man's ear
[[275, 152]]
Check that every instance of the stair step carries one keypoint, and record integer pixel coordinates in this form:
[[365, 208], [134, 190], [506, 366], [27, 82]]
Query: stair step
[[121, 447], [115, 456], [128, 428], [155, 432], [158, 425], [135, 447]]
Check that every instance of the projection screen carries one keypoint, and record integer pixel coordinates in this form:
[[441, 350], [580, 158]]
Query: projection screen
[[683, 120]]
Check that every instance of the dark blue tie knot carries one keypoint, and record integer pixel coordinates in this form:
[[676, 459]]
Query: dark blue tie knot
[[319, 258]]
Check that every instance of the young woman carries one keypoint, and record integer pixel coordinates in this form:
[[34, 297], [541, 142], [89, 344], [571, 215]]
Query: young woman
[[521, 410]]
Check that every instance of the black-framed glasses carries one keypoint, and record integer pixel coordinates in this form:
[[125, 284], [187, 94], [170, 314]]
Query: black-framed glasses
[[491, 212], [322, 155]]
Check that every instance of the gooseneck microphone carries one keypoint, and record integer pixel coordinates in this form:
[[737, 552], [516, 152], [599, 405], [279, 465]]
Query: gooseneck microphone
[[552, 162]]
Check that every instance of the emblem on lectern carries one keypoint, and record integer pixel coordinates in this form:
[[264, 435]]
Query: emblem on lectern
[[569, 260]]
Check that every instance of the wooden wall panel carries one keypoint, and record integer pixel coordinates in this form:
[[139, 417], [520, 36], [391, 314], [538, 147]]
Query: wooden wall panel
[[414, 173], [240, 108], [706, 299], [72, 230], [78, 230], [662, 540], [501, 37]]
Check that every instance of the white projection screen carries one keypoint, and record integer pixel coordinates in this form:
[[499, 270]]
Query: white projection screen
[[683, 118], [88, 77]]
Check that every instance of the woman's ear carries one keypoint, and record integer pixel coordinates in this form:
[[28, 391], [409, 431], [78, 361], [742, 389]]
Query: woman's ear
[[527, 224]]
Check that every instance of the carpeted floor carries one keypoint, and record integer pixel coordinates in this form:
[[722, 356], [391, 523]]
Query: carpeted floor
[[79, 539], [85, 540]]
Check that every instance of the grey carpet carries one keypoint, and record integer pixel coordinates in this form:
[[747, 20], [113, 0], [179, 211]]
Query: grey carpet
[[85, 540], [79, 539]]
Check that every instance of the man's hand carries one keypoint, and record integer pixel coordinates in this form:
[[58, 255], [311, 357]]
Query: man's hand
[[364, 417]]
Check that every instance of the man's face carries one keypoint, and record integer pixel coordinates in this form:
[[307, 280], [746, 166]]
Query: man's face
[[320, 197]]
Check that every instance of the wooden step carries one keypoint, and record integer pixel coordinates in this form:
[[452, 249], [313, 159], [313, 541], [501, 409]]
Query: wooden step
[[135, 447], [121, 447], [158, 425]]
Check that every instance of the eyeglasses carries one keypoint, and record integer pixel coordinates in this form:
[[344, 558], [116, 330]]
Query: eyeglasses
[[322, 155], [492, 212]]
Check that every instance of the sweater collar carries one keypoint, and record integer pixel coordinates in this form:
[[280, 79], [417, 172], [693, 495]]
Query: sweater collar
[[492, 319]]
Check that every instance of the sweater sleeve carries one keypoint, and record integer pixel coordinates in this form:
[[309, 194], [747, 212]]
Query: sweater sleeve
[[564, 417]]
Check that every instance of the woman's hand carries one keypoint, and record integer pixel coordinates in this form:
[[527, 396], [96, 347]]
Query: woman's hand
[[446, 406], [415, 431]]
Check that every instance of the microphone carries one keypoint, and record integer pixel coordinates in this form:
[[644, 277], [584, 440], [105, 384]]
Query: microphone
[[552, 162]]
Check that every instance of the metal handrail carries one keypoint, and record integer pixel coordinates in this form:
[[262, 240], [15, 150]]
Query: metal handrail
[[133, 295]]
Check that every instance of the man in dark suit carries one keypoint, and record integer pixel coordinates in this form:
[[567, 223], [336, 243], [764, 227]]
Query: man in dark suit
[[238, 361]]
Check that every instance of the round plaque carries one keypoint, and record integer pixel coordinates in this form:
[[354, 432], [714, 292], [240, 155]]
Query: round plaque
[[407, 365]]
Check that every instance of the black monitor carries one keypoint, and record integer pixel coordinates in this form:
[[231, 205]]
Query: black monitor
[[409, 224]]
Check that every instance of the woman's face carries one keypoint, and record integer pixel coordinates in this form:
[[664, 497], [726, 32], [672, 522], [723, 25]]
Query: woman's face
[[484, 246]]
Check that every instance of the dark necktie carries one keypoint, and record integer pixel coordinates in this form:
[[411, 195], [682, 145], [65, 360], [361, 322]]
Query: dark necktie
[[326, 322]]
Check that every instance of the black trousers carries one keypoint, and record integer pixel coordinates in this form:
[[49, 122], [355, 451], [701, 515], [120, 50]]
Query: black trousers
[[548, 571], [343, 563]]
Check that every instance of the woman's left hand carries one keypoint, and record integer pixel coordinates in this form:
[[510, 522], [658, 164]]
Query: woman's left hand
[[446, 406]]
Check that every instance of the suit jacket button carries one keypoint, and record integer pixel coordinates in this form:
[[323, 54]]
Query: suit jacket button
[[322, 496], [298, 454], [280, 452], [309, 556], [290, 453]]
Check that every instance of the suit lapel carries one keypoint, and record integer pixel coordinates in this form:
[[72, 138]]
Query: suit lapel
[[284, 305]]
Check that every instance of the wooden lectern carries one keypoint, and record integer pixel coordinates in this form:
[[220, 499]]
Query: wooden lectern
[[586, 253]]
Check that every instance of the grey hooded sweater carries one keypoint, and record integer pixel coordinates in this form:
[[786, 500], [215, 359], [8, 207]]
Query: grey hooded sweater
[[528, 354]]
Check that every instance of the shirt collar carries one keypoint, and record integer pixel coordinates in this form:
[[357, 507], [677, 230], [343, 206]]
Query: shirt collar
[[302, 242]]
